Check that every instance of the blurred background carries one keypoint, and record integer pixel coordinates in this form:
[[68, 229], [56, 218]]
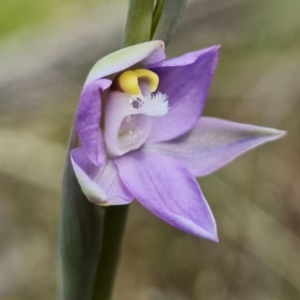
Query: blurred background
[[46, 50]]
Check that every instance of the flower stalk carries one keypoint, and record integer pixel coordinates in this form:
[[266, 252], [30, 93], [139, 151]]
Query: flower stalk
[[139, 22], [169, 13], [80, 236], [156, 15]]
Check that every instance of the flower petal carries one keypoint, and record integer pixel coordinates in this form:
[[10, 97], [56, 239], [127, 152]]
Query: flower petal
[[213, 143], [88, 121], [102, 185], [146, 53], [167, 189], [185, 80]]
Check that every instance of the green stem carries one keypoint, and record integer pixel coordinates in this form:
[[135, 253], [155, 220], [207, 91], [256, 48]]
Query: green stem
[[80, 236], [139, 21], [156, 15], [114, 224], [170, 16]]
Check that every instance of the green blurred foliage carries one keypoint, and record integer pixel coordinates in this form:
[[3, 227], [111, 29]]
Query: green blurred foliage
[[19, 14], [16, 14]]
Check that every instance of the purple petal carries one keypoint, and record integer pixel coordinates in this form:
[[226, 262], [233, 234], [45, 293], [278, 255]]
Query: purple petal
[[102, 185], [186, 80], [213, 143], [167, 189], [144, 54], [88, 121]]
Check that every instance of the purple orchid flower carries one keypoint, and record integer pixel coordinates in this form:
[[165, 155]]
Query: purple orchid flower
[[142, 134]]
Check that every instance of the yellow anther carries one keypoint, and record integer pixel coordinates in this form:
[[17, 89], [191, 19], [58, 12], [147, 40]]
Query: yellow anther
[[128, 82], [149, 76]]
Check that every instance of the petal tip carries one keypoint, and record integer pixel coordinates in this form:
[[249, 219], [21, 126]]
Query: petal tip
[[274, 134], [215, 48], [160, 44], [214, 51], [215, 239], [211, 235], [280, 133]]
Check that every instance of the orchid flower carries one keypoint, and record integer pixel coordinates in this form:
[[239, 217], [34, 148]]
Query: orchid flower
[[143, 136]]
